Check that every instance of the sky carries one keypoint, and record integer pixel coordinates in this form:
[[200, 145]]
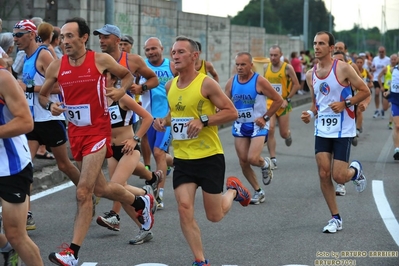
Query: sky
[[367, 13]]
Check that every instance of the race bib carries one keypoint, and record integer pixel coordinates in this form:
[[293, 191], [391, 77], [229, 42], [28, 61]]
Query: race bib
[[246, 115], [330, 123], [179, 128], [115, 114], [79, 115], [395, 88], [278, 88], [30, 99]]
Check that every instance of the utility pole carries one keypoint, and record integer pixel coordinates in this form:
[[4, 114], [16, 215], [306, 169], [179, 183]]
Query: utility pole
[[261, 13], [109, 12], [305, 23], [330, 19]]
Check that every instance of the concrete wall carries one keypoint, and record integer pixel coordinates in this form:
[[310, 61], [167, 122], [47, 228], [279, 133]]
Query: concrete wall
[[143, 19]]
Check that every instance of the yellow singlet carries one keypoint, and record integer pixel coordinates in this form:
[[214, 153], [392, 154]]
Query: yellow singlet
[[187, 104]]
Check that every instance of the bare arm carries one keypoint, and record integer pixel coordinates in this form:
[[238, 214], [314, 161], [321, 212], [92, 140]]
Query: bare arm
[[47, 87], [305, 116], [227, 88], [382, 73], [147, 119], [105, 62], [16, 102], [144, 71], [290, 72], [263, 86], [212, 71]]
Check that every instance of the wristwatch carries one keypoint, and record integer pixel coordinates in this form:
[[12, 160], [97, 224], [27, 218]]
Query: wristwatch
[[30, 88], [144, 87], [48, 106], [204, 119], [288, 100], [136, 138], [348, 103], [266, 118]]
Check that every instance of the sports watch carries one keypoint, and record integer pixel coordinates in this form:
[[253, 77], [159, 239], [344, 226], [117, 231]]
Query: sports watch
[[204, 119]]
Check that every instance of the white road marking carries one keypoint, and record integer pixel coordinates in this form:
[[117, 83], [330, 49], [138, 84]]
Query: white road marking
[[385, 210], [89, 263]]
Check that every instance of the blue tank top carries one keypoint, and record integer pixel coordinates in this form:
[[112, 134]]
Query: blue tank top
[[14, 152], [155, 100], [248, 102]]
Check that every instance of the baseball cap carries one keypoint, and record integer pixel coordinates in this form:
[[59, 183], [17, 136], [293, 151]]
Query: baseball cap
[[362, 54], [26, 25], [107, 30], [127, 38]]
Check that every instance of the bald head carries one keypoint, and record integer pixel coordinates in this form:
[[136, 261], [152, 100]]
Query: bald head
[[340, 46], [153, 51]]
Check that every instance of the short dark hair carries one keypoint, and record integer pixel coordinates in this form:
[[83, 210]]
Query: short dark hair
[[193, 44], [341, 53], [331, 39], [199, 46], [83, 27]]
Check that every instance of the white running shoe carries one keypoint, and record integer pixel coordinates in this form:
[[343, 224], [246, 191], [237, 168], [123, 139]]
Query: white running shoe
[[333, 226], [259, 197], [340, 191], [274, 163], [142, 237], [360, 180], [145, 215], [64, 257], [267, 173]]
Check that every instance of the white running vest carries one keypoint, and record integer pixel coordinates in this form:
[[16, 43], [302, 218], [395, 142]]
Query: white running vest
[[328, 90]]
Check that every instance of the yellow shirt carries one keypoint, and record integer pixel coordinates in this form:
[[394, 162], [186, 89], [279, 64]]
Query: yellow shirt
[[203, 68], [279, 80], [186, 104], [388, 78]]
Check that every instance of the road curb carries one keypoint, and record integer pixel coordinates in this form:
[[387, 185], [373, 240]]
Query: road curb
[[47, 175]]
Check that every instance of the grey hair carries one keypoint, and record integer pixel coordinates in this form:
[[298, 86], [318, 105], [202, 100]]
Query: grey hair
[[245, 53], [37, 21], [6, 40], [193, 44]]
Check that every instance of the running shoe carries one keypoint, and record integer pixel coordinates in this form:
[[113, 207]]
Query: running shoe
[[258, 197], [168, 170], [148, 190], [274, 163], [267, 173], [160, 204], [148, 167], [30, 222], [390, 125], [243, 195], [396, 154], [340, 191], [159, 178], [333, 226], [359, 180], [11, 258], [64, 258], [201, 263], [382, 114], [145, 216], [376, 114], [110, 220], [288, 141], [142, 237]]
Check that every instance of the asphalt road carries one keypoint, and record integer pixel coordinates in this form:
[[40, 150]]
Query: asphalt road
[[285, 230]]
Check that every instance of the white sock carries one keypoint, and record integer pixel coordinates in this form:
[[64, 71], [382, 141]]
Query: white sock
[[161, 193], [266, 165]]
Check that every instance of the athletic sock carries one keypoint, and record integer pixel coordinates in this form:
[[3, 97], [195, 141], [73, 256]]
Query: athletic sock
[[138, 204], [354, 177], [336, 216], [75, 248], [6, 248]]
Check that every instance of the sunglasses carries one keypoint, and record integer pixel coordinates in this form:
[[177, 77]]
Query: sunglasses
[[19, 34]]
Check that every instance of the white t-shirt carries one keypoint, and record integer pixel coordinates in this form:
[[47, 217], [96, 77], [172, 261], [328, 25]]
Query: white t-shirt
[[379, 64]]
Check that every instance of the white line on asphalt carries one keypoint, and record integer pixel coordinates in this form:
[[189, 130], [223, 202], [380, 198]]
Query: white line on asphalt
[[49, 191], [89, 263], [385, 210]]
